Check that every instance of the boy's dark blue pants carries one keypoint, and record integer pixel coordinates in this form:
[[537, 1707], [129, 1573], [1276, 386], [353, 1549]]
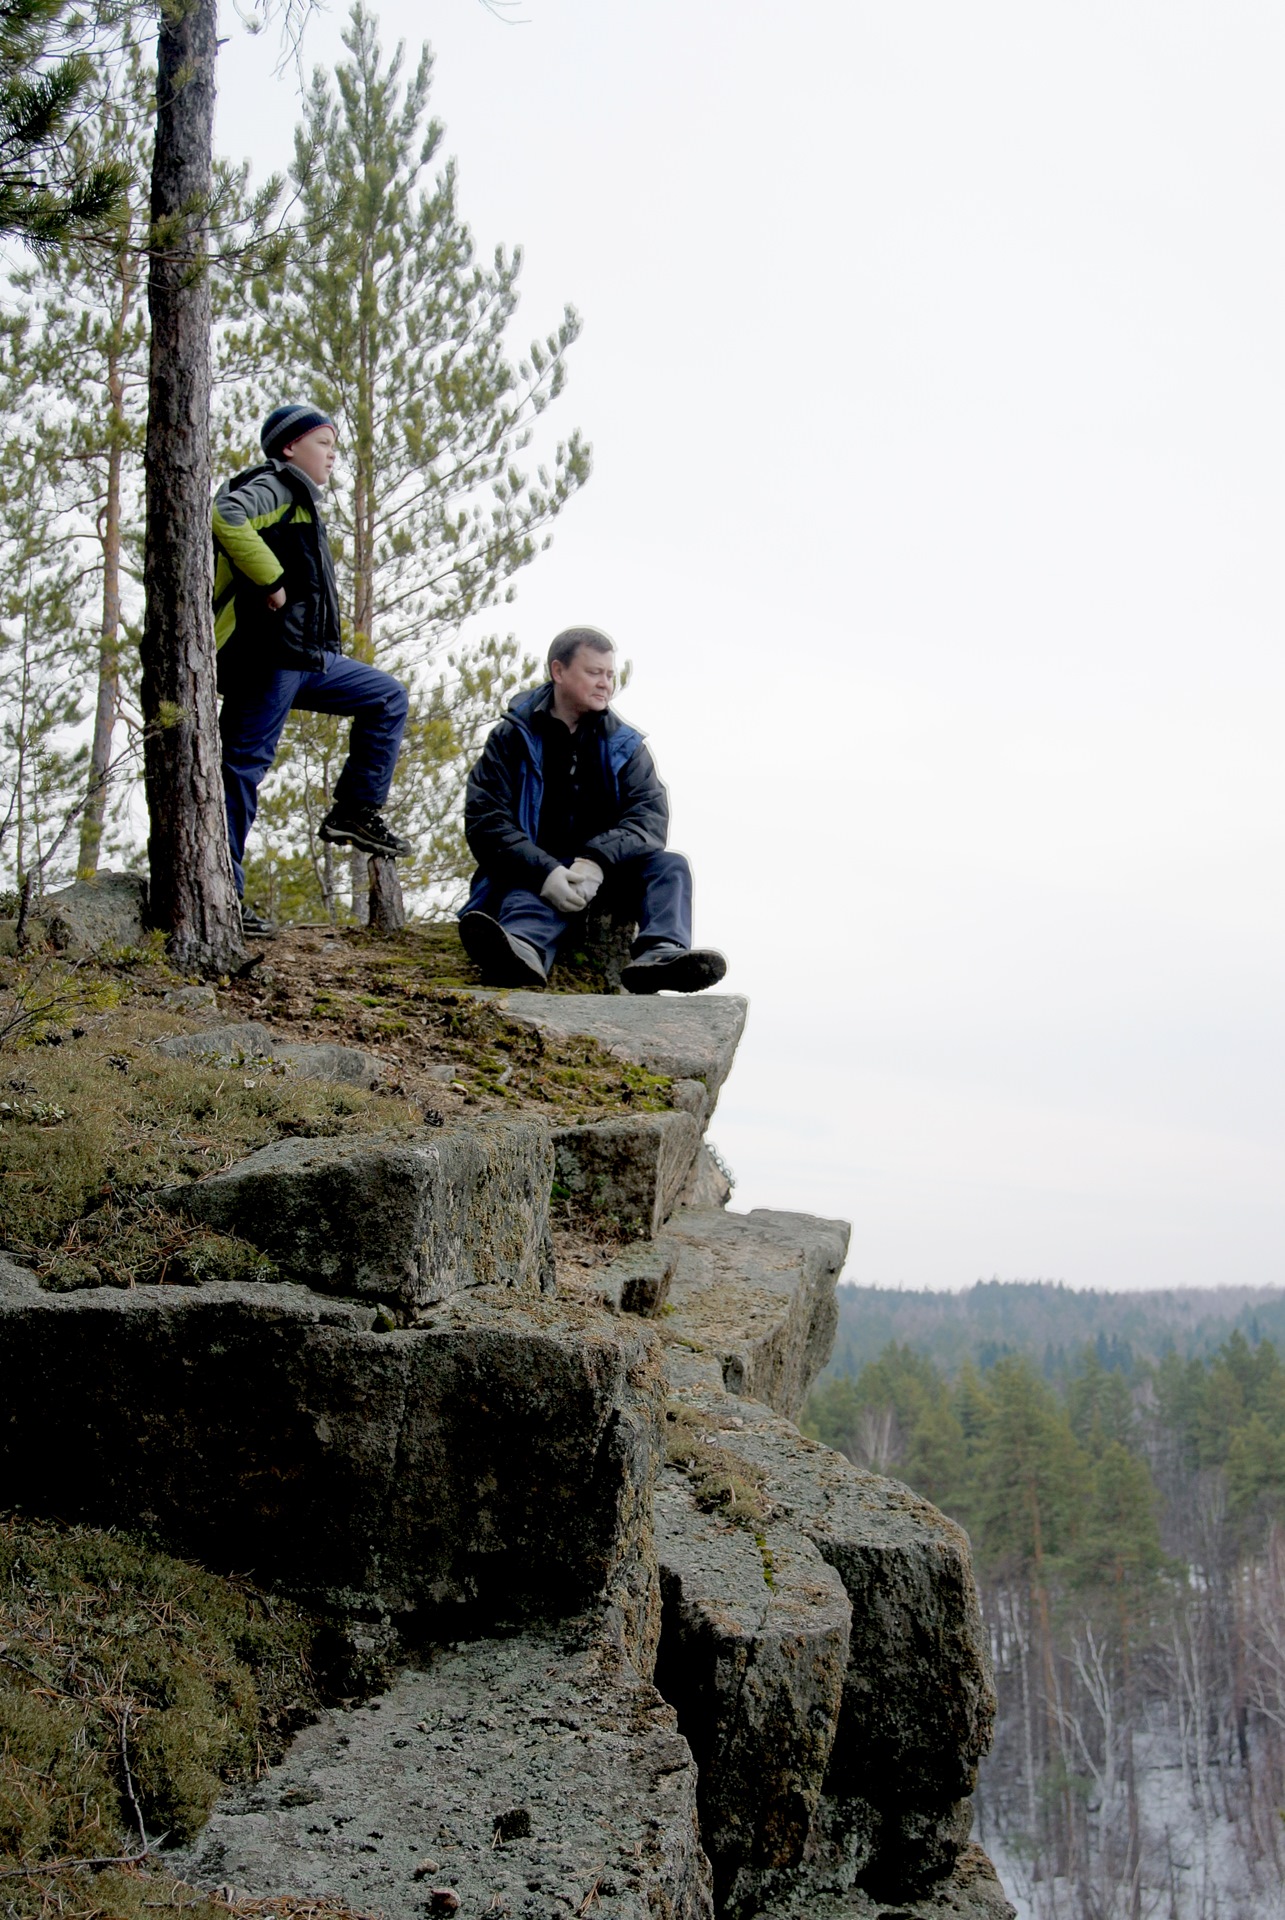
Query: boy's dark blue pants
[[656, 891], [254, 713]]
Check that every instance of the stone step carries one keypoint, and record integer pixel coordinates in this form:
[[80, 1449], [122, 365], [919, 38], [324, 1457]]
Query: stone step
[[753, 1651], [756, 1291], [917, 1702], [625, 1174], [691, 1039], [530, 1776], [500, 1457], [407, 1222]]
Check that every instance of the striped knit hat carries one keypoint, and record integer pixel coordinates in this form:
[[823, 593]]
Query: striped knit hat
[[285, 425]]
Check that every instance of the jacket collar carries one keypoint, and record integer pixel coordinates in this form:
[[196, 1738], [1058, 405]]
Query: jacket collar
[[300, 478]]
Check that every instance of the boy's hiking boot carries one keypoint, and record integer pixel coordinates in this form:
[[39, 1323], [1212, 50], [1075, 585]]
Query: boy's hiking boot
[[366, 828], [501, 958], [253, 924], [673, 970]]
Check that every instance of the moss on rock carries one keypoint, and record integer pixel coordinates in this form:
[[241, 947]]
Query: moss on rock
[[123, 1669]]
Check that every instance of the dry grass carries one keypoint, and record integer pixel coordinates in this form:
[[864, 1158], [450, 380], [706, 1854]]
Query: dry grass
[[133, 1686], [721, 1483]]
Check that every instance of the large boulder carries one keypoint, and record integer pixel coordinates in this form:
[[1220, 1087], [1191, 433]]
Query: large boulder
[[404, 1222], [525, 1775], [499, 1458], [108, 911], [918, 1705]]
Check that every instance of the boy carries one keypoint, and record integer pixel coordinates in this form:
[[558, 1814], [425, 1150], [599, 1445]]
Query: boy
[[276, 625]]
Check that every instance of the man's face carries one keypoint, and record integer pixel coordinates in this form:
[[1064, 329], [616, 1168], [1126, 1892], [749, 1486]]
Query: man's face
[[313, 453], [586, 681]]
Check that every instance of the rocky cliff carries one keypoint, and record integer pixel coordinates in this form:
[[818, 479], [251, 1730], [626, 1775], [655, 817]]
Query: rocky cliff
[[515, 1402]]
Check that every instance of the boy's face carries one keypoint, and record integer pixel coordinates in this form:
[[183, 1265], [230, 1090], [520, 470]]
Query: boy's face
[[313, 453]]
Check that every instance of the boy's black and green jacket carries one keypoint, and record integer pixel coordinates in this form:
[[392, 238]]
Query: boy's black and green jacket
[[269, 533]]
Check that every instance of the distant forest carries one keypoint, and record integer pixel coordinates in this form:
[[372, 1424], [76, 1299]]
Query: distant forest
[[1119, 1463], [1051, 1324]]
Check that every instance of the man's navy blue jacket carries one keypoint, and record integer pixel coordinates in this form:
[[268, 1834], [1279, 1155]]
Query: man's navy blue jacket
[[506, 786]]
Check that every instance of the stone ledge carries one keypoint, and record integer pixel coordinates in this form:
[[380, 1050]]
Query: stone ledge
[[408, 1222], [501, 1458], [537, 1776], [692, 1038], [756, 1290]]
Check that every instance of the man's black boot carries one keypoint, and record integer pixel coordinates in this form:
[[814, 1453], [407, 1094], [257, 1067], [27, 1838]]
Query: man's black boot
[[502, 959], [673, 970], [254, 926], [365, 828]]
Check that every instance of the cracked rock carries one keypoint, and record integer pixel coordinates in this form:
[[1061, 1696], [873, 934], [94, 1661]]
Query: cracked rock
[[971, 1891], [918, 1704], [753, 1650], [626, 1172]]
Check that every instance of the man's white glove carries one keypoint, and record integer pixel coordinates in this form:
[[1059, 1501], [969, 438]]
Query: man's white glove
[[562, 893], [587, 875]]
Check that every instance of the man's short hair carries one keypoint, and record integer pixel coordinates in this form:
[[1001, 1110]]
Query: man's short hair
[[568, 643]]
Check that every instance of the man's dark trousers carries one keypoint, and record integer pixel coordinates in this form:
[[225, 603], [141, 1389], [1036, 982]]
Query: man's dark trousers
[[255, 710], [655, 890]]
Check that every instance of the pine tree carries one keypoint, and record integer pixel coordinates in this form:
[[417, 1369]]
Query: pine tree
[[49, 189]]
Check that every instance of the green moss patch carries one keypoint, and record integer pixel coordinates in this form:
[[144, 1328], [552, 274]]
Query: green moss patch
[[133, 1687]]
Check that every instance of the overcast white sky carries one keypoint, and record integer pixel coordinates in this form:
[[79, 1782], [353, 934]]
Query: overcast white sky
[[933, 367]]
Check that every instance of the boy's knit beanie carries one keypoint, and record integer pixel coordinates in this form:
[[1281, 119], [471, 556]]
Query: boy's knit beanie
[[289, 423]]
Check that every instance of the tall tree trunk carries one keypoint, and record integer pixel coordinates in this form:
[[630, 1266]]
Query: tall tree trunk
[[192, 892]]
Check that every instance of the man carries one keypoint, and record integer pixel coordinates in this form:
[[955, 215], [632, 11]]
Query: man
[[276, 623], [564, 801]]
